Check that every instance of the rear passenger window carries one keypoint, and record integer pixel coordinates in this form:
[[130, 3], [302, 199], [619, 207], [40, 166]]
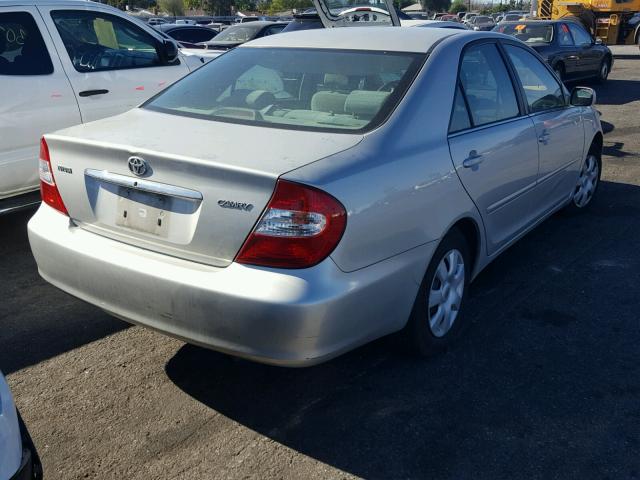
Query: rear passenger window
[[460, 115], [487, 86], [97, 41], [541, 88], [22, 49]]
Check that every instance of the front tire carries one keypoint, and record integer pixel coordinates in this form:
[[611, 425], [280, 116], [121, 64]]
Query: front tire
[[587, 185], [438, 312]]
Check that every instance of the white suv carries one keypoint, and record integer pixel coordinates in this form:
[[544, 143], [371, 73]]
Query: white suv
[[69, 62]]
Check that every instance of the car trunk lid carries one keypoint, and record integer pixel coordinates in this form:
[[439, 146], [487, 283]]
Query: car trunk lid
[[203, 186]]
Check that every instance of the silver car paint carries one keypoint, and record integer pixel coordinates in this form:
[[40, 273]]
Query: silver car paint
[[402, 192], [283, 317]]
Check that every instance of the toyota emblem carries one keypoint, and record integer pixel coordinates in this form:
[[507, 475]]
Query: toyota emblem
[[137, 166]]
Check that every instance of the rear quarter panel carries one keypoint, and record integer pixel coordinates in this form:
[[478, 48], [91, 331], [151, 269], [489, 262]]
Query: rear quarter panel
[[399, 185]]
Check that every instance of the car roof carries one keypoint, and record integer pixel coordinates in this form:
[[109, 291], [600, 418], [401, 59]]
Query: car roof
[[257, 24], [393, 39], [179, 26]]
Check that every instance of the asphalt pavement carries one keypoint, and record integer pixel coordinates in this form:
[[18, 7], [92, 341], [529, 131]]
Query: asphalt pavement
[[544, 384]]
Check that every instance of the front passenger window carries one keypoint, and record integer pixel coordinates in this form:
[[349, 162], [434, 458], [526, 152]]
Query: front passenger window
[[98, 41], [542, 90], [487, 86]]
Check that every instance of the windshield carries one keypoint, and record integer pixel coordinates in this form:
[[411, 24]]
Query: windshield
[[304, 89], [483, 20], [239, 34], [528, 32]]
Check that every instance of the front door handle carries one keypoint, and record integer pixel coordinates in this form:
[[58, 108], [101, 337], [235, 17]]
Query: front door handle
[[544, 137], [472, 160], [89, 93]]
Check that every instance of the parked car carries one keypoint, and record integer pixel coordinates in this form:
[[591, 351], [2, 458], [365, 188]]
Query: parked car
[[241, 33], [449, 18], [188, 36], [481, 23], [157, 21], [468, 16], [66, 62], [18, 456], [566, 46], [342, 218], [510, 17]]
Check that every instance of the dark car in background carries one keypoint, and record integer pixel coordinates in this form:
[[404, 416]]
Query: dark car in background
[[243, 32], [189, 36], [482, 23], [565, 45]]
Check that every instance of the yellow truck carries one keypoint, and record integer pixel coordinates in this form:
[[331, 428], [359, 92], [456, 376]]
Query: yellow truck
[[612, 21]]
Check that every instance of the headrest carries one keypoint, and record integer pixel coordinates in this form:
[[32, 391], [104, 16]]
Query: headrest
[[258, 99], [332, 102], [336, 81], [365, 103]]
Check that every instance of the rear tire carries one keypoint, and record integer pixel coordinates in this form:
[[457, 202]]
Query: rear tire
[[438, 311]]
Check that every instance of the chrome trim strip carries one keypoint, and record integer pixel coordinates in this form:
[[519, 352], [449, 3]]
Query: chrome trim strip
[[143, 185], [513, 196], [556, 171]]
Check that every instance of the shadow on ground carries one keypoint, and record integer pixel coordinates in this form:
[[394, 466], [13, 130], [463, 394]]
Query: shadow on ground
[[544, 384], [618, 92], [38, 321]]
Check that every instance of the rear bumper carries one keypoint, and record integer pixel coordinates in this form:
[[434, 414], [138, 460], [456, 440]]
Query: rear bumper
[[284, 317]]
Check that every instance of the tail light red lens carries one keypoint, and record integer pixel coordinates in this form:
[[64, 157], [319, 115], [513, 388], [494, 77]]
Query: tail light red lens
[[299, 228], [48, 189]]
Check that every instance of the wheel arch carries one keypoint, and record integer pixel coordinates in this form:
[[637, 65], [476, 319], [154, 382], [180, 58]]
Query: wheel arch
[[596, 144], [470, 230]]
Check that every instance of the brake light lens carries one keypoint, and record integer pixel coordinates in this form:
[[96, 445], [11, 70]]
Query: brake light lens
[[48, 189], [300, 227]]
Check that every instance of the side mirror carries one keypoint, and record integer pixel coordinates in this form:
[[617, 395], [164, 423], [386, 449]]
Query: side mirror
[[168, 51], [583, 97]]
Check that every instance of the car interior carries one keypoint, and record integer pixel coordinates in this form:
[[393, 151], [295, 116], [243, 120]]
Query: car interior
[[303, 91]]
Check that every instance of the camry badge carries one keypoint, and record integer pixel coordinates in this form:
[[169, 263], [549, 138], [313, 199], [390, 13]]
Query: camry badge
[[235, 205], [137, 166]]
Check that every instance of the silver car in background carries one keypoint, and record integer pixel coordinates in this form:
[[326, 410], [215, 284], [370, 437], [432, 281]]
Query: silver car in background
[[309, 192]]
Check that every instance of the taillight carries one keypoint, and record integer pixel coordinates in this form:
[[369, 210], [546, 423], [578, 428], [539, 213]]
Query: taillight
[[48, 189], [299, 228]]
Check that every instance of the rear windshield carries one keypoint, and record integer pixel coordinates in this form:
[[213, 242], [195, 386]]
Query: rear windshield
[[302, 89], [528, 32]]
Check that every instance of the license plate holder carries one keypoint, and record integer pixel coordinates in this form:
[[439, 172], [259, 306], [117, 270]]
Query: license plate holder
[[143, 211]]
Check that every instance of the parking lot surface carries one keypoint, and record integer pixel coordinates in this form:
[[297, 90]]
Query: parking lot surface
[[545, 383]]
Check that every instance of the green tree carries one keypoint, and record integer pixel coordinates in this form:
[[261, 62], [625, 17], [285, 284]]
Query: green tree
[[458, 6], [435, 5], [285, 5], [172, 7]]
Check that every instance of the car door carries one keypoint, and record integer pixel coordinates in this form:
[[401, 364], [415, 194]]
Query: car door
[[113, 63], [493, 144], [356, 13], [568, 52], [559, 129], [35, 97], [589, 58]]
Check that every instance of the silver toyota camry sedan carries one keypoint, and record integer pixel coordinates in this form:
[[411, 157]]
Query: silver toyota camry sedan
[[309, 192]]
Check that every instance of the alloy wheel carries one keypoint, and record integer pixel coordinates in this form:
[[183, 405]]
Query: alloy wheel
[[445, 294], [587, 182]]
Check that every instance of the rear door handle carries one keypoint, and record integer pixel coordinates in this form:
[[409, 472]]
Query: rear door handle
[[472, 160], [89, 93]]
